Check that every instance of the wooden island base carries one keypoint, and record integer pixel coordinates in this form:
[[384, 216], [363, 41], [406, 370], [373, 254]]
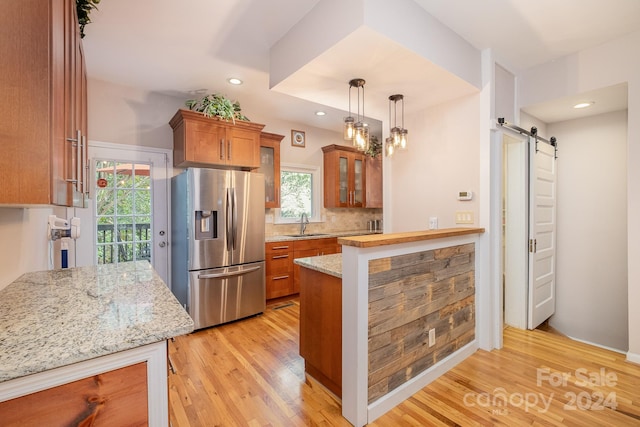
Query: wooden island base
[[321, 327]]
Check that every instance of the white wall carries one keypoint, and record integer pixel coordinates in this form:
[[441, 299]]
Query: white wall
[[605, 65], [127, 115], [527, 122], [505, 94], [441, 159], [25, 247], [592, 229]]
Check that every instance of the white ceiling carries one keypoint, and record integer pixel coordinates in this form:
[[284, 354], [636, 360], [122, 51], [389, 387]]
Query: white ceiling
[[184, 48]]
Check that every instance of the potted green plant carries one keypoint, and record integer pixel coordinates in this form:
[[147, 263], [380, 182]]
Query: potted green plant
[[216, 105], [375, 147], [83, 9]]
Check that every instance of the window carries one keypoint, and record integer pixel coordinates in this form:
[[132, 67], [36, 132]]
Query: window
[[123, 212], [299, 193]]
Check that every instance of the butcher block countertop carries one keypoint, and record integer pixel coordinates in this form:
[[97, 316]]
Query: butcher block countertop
[[332, 264], [373, 240], [55, 318]]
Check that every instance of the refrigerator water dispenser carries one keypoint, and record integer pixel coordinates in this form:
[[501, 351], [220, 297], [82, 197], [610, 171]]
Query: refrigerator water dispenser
[[206, 225]]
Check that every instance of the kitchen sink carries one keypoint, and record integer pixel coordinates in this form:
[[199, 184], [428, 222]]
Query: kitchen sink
[[306, 235]]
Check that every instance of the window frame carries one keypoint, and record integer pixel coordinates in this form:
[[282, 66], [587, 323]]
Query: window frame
[[316, 192]]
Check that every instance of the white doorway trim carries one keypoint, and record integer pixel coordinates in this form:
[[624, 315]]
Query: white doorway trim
[[515, 232], [86, 246]]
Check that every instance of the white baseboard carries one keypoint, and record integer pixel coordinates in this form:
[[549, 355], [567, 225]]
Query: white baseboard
[[633, 358], [596, 345], [408, 389]]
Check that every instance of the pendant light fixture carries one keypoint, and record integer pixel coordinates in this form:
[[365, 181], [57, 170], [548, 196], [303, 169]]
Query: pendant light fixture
[[399, 135], [354, 128]]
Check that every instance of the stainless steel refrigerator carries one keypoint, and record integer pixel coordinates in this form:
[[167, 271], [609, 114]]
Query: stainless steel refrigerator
[[217, 252]]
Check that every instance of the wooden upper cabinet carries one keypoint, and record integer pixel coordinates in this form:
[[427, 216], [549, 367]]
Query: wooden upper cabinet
[[43, 116], [373, 168], [210, 142], [270, 167], [344, 177]]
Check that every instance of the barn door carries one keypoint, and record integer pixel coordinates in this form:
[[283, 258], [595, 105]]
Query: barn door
[[542, 232]]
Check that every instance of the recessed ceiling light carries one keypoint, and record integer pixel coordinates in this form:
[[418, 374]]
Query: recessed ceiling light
[[584, 104], [197, 91], [320, 113], [234, 81]]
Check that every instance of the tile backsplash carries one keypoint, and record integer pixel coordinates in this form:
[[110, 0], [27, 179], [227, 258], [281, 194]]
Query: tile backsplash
[[333, 221]]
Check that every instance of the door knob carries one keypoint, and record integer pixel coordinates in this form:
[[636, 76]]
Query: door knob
[[162, 244]]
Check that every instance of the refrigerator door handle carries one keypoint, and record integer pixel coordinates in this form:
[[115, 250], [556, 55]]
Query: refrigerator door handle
[[228, 274], [234, 209], [228, 220]]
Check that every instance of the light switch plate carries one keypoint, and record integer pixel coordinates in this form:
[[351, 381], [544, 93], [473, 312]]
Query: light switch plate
[[464, 217]]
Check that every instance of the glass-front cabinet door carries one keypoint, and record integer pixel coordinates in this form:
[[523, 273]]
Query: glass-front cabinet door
[[266, 167], [344, 180], [270, 168], [344, 177], [357, 195]]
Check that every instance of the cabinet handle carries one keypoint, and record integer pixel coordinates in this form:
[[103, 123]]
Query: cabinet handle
[[79, 185], [85, 160], [280, 277], [221, 149], [229, 150], [75, 143], [280, 256], [280, 247]]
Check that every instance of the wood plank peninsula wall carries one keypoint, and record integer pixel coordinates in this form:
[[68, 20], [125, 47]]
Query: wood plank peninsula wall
[[395, 288], [409, 295]]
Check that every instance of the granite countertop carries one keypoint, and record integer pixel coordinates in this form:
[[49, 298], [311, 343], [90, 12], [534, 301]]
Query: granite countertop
[[55, 318], [329, 234], [328, 264]]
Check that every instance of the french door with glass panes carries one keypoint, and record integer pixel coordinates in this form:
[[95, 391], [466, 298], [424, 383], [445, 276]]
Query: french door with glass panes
[[130, 197]]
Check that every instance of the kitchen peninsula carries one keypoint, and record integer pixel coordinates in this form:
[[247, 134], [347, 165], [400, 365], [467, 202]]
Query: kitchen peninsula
[[87, 343], [407, 308]]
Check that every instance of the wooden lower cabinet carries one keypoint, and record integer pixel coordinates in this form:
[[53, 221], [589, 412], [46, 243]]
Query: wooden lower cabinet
[[321, 327], [114, 398], [313, 247], [281, 273], [279, 269]]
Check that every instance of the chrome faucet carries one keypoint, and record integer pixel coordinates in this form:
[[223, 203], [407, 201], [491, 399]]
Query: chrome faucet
[[304, 220]]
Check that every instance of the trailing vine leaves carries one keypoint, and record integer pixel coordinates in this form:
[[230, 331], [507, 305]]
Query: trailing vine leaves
[[216, 105], [83, 9], [375, 147]]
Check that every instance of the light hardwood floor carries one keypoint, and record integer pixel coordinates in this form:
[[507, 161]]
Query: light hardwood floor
[[249, 373]]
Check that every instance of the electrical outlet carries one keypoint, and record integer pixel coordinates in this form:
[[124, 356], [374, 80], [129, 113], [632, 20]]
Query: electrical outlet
[[464, 217], [432, 337], [433, 223]]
